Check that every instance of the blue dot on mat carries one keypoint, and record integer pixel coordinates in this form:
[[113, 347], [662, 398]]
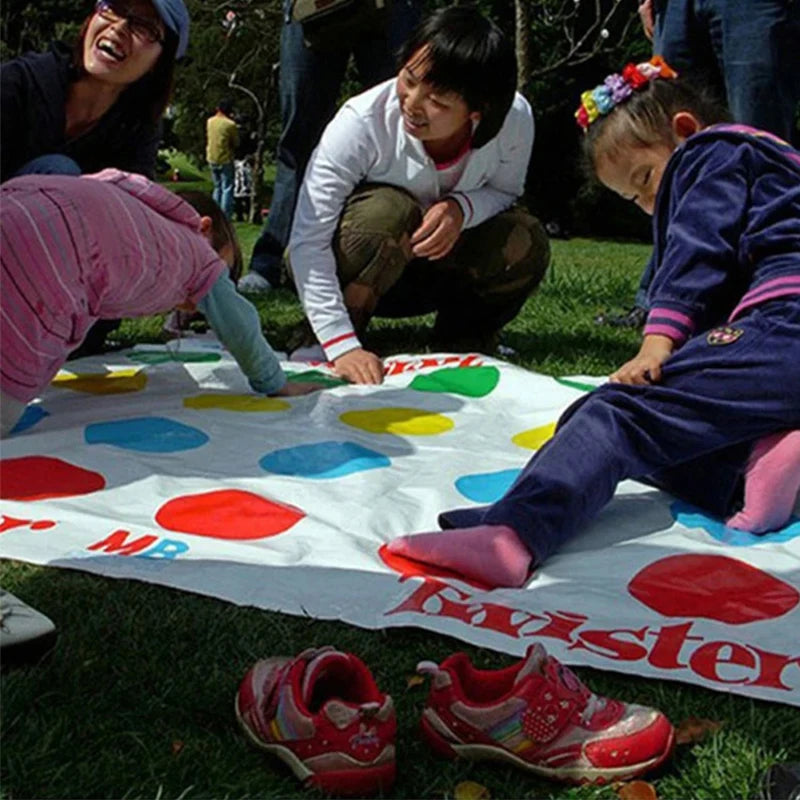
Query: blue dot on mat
[[323, 460], [30, 416], [146, 435], [692, 517], [487, 487]]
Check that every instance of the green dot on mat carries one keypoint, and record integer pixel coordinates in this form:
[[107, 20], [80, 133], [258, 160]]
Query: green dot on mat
[[315, 376], [469, 381], [160, 357], [584, 387]]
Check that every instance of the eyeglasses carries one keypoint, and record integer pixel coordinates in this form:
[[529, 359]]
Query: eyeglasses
[[147, 30]]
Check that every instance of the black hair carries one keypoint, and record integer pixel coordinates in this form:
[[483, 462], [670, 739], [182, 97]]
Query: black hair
[[468, 54], [225, 105], [150, 95], [222, 230], [645, 118]]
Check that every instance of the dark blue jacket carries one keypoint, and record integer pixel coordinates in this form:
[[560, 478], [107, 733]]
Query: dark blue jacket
[[727, 229], [33, 96]]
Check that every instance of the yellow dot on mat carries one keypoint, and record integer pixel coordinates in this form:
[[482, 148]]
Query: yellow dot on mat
[[132, 379], [400, 421], [534, 438], [237, 402]]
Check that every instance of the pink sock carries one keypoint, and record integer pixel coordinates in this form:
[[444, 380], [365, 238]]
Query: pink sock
[[771, 483], [491, 554]]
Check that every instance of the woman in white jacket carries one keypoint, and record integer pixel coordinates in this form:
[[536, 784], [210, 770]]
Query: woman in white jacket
[[407, 203]]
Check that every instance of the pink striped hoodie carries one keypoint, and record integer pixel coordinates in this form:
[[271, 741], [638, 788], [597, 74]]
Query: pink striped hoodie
[[74, 250]]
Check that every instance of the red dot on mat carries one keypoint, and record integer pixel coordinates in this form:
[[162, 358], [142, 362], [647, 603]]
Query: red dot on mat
[[409, 568], [43, 477], [227, 514], [712, 587]]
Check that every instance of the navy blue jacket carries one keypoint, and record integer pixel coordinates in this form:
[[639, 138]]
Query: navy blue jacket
[[727, 230], [33, 96]]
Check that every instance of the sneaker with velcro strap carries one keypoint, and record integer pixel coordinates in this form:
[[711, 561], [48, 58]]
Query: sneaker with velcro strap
[[538, 716], [323, 715]]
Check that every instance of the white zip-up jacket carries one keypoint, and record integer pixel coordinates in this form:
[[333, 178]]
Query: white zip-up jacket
[[366, 142]]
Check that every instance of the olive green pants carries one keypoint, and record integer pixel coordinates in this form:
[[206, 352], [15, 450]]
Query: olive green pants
[[478, 287]]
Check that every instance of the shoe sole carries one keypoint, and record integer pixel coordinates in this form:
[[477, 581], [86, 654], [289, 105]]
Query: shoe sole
[[359, 781], [576, 775], [28, 653]]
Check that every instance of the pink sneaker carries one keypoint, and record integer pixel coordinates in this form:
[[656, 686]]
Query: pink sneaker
[[323, 715], [538, 716]]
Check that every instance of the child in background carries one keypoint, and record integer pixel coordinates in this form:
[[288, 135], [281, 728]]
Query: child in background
[[709, 407], [78, 249], [242, 188]]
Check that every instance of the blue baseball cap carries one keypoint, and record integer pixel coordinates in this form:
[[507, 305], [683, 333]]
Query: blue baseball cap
[[174, 15]]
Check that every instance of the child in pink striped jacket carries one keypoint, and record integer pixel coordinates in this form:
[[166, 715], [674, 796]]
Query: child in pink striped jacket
[[78, 249]]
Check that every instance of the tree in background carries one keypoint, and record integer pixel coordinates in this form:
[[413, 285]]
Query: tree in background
[[32, 26], [234, 52], [563, 47], [583, 31]]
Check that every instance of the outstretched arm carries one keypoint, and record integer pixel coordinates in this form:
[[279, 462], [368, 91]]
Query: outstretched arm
[[236, 322]]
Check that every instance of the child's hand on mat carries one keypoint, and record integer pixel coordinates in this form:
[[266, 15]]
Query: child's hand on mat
[[359, 366], [439, 231], [295, 388], [646, 366]]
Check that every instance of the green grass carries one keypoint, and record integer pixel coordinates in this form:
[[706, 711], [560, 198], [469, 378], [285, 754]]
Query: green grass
[[137, 699]]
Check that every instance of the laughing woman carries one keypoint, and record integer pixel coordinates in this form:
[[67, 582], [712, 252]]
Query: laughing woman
[[99, 104]]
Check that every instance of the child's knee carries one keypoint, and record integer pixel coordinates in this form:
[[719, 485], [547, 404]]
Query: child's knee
[[379, 209], [373, 243], [509, 253]]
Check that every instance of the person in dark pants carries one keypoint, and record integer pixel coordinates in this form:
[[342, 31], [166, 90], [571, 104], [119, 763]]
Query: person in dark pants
[[310, 78], [710, 406]]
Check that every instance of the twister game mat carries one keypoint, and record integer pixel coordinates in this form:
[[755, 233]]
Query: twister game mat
[[158, 464]]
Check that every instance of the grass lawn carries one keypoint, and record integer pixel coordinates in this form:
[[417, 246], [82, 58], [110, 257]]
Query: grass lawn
[[137, 699]]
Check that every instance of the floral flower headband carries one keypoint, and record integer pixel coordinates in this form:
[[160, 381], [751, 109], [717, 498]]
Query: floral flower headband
[[616, 89]]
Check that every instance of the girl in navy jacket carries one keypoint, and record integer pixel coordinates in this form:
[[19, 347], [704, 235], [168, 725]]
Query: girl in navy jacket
[[710, 406]]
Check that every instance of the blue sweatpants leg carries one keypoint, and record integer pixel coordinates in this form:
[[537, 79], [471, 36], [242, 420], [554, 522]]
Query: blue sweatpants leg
[[713, 482], [711, 398]]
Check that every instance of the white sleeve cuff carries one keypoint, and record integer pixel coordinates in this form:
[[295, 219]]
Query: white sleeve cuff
[[337, 346]]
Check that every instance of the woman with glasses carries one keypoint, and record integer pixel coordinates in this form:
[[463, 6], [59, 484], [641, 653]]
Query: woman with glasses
[[98, 104]]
